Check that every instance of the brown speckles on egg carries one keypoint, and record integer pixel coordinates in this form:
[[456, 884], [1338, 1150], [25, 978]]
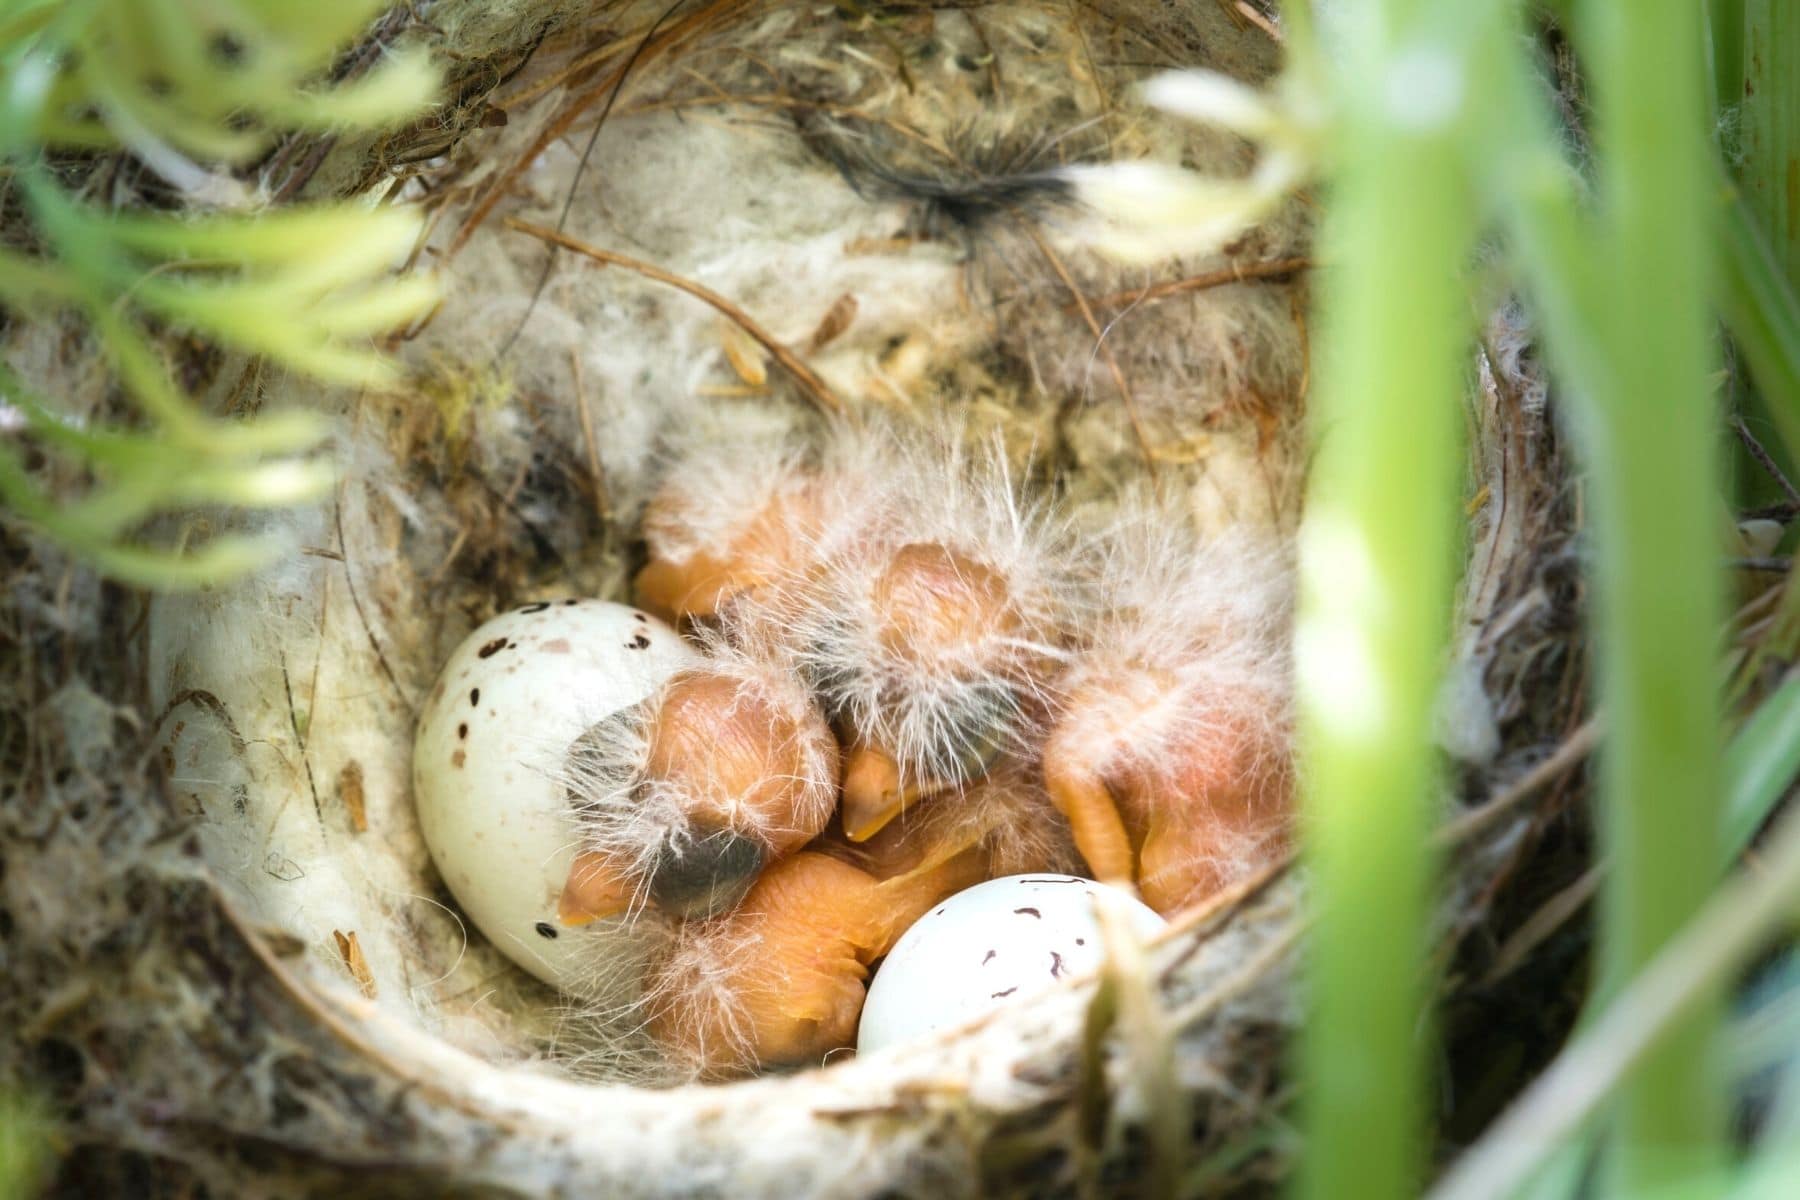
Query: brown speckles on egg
[[538, 607], [1030, 912], [640, 642], [1056, 965], [989, 958], [492, 648], [546, 930], [555, 646], [638, 616], [570, 603], [474, 697], [1002, 995], [1081, 941], [462, 730], [458, 759]]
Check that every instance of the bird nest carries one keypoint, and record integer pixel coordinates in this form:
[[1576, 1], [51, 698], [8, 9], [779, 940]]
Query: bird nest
[[228, 957]]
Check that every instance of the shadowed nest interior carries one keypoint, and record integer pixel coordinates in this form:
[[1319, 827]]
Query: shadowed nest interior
[[227, 953]]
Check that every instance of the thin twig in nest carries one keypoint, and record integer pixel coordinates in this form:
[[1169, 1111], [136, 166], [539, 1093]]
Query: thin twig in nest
[[1766, 460], [312, 786], [647, 50], [596, 472], [1551, 916], [1255, 16], [809, 382], [351, 951], [786, 103], [1567, 756], [361, 615], [1275, 268], [1239, 981], [1112, 363]]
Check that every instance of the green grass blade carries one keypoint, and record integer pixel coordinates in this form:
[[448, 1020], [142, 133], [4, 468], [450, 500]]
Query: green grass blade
[[1761, 764], [1377, 576]]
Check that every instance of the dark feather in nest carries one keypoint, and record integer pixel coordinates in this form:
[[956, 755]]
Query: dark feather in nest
[[984, 180]]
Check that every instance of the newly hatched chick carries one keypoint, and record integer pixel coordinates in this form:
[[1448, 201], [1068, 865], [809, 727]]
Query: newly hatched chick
[[1170, 753], [780, 980], [926, 634], [735, 511], [682, 800]]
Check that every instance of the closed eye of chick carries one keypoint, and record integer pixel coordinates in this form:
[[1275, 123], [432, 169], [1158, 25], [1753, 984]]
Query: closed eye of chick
[[1170, 754]]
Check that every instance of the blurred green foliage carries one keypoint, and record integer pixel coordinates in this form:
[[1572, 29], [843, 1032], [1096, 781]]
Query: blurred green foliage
[[23, 1149], [1435, 123], [193, 90]]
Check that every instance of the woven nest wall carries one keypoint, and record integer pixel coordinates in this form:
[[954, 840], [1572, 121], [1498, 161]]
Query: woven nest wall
[[228, 958]]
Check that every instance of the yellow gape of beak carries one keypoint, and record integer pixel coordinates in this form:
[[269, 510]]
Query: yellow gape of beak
[[873, 795], [592, 892]]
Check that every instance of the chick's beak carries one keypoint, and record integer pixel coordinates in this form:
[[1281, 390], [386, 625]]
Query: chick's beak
[[592, 892], [873, 793]]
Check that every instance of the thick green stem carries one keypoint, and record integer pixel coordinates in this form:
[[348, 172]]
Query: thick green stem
[[1725, 47], [1376, 584], [1768, 139], [1650, 452], [1625, 318], [1763, 314]]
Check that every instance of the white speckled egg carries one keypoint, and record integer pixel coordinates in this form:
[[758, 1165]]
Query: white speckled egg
[[513, 698], [991, 945]]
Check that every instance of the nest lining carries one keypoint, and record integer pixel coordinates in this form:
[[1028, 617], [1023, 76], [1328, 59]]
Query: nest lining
[[281, 711]]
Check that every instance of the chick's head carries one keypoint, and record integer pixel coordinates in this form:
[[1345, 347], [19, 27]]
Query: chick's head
[[682, 801], [927, 635]]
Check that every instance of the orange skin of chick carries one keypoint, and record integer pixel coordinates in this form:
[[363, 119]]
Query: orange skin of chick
[[935, 602], [1162, 826], [740, 764], [700, 586], [812, 925]]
